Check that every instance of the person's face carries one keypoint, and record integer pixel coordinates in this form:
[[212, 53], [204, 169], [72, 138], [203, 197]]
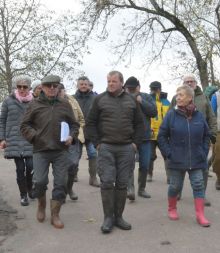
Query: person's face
[[114, 83], [182, 99], [23, 88], [50, 89], [155, 91], [132, 90], [83, 85], [191, 82], [61, 93], [37, 90]]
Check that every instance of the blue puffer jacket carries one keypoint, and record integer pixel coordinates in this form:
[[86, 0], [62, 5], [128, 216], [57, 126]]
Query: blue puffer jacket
[[184, 143]]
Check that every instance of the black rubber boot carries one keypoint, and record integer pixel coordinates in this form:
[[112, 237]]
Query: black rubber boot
[[108, 209], [142, 178], [70, 191], [150, 171], [92, 173], [131, 189], [29, 183], [23, 192], [120, 200]]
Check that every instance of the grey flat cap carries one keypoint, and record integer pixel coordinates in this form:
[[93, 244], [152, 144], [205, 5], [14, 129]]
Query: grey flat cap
[[51, 79]]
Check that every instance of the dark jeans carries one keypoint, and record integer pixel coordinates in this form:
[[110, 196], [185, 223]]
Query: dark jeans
[[144, 151], [60, 162], [115, 163], [24, 172]]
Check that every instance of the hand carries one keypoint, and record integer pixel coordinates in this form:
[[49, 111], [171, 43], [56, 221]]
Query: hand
[[139, 98], [97, 147], [69, 140], [3, 144]]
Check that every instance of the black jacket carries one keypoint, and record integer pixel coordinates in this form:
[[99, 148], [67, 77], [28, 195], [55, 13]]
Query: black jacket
[[115, 120], [85, 100]]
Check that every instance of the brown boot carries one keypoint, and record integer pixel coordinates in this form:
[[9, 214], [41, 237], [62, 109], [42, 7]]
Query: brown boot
[[55, 210], [41, 214]]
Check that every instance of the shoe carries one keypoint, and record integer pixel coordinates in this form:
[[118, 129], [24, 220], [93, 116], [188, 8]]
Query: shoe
[[142, 193], [72, 195], [30, 195], [24, 201]]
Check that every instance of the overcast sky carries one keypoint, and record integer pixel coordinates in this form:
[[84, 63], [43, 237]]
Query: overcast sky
[[97, 64]]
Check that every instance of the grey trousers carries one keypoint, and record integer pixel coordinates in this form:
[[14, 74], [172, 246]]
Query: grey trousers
[[115, 163], [60, 163]]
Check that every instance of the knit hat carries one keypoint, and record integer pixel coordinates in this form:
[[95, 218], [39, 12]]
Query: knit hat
[[132, 82], [155, 85], [35, 84], [51, 79]]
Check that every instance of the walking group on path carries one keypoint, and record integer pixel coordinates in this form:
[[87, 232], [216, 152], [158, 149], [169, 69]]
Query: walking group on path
[[117, 127]]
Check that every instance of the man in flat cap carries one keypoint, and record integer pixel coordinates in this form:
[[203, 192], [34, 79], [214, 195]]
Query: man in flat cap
[[41, 126]]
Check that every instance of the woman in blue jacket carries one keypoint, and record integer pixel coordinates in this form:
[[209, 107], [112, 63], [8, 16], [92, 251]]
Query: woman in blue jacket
[[184, 141]]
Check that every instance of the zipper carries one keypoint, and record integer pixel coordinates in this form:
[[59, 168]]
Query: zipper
[[190, 155]]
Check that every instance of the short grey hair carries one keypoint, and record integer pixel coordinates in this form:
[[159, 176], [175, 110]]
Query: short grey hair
[[24, 78], [115, 72], [188, 90], [189, 75]]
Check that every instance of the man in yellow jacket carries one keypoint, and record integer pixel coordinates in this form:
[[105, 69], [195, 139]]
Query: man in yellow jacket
[[162, 104]]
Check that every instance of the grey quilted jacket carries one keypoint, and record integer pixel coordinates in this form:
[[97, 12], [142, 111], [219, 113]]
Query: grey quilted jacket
[[12, 112]]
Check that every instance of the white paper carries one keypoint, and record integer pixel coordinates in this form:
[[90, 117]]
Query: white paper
[[65, 131]]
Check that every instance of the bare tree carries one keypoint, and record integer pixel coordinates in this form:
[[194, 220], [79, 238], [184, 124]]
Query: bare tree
[[35, 41], [158, 25]]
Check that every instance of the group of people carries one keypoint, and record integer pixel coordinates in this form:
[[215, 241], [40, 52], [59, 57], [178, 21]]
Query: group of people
[[114, 126]]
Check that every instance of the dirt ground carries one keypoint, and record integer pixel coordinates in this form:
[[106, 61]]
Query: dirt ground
[[8, 215]]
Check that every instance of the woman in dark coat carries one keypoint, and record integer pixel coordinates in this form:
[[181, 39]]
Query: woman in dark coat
[[184, 141], [14, 145]]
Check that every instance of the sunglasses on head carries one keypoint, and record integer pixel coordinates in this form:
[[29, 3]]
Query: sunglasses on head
[[50, 85], [24, 87]]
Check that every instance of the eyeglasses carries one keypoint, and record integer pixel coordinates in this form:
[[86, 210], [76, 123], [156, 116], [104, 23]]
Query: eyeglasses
[[24, 87], [50, 85]]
